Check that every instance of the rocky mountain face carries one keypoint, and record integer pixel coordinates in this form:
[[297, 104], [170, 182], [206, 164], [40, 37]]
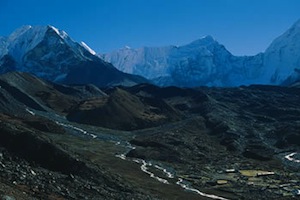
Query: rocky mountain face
[[206, 62], [51, 54]]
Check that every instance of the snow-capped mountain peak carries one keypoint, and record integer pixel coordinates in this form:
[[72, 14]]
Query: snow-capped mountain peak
[[292, 35], [60, 33], [50, 53], [18, 32], [282, 57], [207, 62], [55, 29], [23, 40], [204, 41], [27, 38], [161, 62], [42, 46]]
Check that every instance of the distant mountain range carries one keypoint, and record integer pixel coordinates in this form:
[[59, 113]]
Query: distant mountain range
[[51, 54], [207, 62]]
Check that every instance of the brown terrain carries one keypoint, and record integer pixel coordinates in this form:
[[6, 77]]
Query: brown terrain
[[81, 142]]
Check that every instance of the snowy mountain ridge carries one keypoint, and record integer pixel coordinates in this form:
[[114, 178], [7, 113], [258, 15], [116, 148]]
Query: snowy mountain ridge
[[202, 62], [50, 53], [31, 49], [206, 62]]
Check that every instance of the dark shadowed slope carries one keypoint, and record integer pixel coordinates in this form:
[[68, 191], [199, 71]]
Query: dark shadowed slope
[[231, 142], [124, 111]]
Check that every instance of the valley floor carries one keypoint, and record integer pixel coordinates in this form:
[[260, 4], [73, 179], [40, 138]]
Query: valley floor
[[146, 142]]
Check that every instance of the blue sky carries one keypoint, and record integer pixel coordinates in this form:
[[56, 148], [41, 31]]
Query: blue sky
[[245, 27]]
